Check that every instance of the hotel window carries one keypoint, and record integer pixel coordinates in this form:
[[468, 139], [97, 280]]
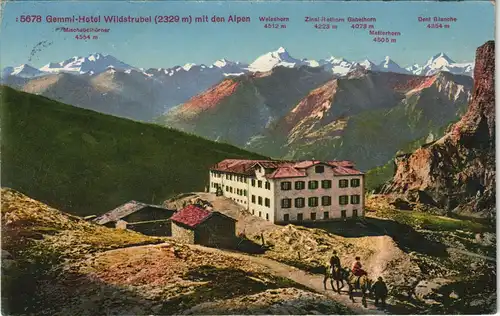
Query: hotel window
[[227, 177], [287, 185], [260, 200], [267, 216], [343, 183], [268, 185], [300, 217], [355, 199], [286, 217], [253, 182], [355, 183], [231, 189], [245, 192], [300, 185], [354, 213], [313, 216], [253, 198], [325, 215], [260, 184], [326, 184], [267, 202], [227, 189], [343, 213], [313, 201], [313, 185], [231, 177], [326, 200], [260, 214], [286, 203], [300, 202], [343, 199], [319, 169]]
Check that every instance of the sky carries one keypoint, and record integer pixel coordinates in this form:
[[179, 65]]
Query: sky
[[150, 45]]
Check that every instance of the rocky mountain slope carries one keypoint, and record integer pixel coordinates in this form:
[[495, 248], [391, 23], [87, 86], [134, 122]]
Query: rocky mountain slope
[[55, 264], [85, 162], [366, 117], [457, 172], [239, 108]]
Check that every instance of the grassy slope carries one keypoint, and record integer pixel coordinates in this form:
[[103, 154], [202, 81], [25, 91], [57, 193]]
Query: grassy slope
[[84, 162]]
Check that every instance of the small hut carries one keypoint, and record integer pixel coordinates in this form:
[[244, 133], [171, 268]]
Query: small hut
[[197, 225], [148, 219]]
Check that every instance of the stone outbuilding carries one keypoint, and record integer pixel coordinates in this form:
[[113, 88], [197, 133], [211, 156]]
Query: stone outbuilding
[[196, 225], [145, 218]]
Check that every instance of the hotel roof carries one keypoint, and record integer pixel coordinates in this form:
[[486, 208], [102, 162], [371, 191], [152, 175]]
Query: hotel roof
[[283, 169]]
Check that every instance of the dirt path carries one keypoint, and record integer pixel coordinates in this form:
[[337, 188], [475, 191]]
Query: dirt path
[[313, 282]]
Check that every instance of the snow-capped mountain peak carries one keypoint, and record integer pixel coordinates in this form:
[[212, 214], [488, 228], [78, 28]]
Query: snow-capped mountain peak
[[23, 71], [221, 63], [368, 65], [281, 50], [388, 65], [96, 63], [441, 62], [188, 66], [438, 61], [268, 61]]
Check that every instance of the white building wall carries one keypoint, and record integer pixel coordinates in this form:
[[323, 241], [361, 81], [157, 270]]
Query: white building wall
[[215, 179], [334, 210], [274, 212], [230, 183], [349, 191], [265, 212]]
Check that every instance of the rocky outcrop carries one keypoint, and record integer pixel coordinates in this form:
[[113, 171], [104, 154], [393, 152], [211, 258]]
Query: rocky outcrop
[[457, 172]]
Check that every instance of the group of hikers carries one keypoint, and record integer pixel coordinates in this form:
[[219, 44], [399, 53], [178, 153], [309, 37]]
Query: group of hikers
[[379, 288]]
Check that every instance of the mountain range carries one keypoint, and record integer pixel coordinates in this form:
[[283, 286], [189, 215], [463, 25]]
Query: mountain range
[[300, 113], [103, 83], [98, 63]]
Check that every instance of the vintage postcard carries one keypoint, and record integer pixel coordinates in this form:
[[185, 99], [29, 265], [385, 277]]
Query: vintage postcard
[[228, 157]]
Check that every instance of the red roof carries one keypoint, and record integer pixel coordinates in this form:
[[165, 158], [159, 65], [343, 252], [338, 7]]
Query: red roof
[[286, 172], [338, 170], [341, 163], [306, 163], [191, 216], [283, 169], [239, 166]]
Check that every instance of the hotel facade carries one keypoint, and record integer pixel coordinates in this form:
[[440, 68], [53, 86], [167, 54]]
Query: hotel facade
[[292, 191]]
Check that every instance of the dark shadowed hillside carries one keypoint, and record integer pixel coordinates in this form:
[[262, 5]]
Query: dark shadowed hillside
[[86, 163]]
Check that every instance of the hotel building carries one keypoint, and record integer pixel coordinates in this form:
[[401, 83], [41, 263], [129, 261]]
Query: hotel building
[[292, 191]]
